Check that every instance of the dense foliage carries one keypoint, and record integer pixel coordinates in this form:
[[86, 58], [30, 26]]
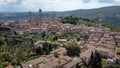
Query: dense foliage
[[111, 26], [54, 36], [70, 19], [78, 66], [118, 51], [46, 48], [5, 28], [88, 22], [78, 20], [95, 61], [72, 49], [15, 50], [2, 42], [113, 66]]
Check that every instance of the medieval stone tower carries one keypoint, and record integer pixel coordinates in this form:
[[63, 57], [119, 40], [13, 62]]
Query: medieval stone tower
[[29, 17], [40, 16]]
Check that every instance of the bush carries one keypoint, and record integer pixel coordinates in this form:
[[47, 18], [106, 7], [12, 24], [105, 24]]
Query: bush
[[4, 64], [4, 28], [113, 27], [72, 49], [118, 51], [2, 42], [113, 66], [6, 57]]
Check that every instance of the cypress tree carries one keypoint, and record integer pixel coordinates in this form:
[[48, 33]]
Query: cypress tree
[[95, 61]]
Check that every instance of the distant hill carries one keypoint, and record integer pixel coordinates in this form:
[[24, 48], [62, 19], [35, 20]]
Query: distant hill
[[111, 14]]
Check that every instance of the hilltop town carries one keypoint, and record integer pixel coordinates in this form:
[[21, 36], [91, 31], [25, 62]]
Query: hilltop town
[[39, 42]]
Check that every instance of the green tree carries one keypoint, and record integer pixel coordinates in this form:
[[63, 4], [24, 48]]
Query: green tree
[[91, 63], [70, 19], [39, 51], [113, 27], [113, 66], [54, 46], [46, 48], [4, 28], [2, 42], [43, 34], [55, 38], [95, 61], [72, 49], [118, 51], [78, 66], [6, 57]]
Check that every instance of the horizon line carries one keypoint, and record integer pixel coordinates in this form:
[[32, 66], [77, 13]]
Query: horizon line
[[59, 10]]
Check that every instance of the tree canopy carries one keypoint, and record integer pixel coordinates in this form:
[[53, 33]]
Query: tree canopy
[[95, 60], [2, 42], [72, 49], [118, 51]]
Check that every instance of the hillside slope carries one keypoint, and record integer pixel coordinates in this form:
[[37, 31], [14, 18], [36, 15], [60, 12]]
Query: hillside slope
[[111, 14]]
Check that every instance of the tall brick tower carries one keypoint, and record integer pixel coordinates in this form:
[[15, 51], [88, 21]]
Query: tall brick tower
[[29, 17], [54, 15], [54, 18], [40, 15]]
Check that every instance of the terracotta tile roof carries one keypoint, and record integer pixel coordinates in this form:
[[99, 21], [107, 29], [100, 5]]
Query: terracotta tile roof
[[10, 66]]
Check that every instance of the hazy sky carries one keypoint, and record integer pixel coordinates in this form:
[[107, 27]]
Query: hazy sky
[[53, 5]]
